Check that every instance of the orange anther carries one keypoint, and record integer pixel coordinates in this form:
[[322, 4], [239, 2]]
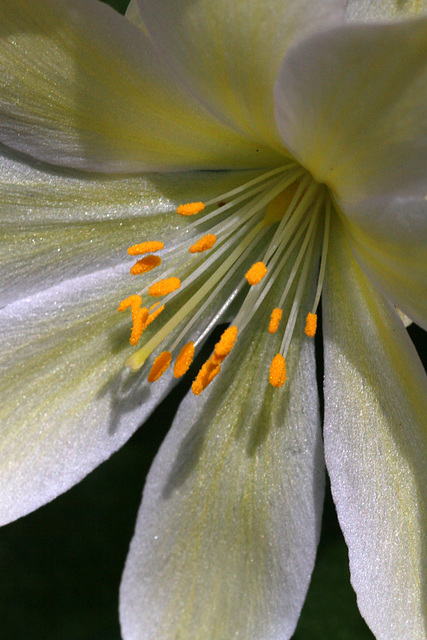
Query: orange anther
[[145, 264], [256, 273], [276, 316], [139, 324], [191, 208], [134, 302], [207, 242], [311, 325], [163, 287], [145, 247], [226, 343], [184, 360], [277, 370], [205, 376], [160, 364]]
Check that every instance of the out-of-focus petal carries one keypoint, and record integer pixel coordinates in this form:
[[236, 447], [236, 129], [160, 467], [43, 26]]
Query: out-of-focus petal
[[228, 53], [227, 532], [82, 86], [376, 447], [383, 9], [351, 104]]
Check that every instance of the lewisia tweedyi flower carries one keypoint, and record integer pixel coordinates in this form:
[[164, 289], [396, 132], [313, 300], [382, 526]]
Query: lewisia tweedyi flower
[[253, 156]]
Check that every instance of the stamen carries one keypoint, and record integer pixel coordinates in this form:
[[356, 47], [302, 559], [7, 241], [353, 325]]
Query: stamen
[[134, 302], [256, 273], [145, 247], [212, 367], [251, 183], [207, 242], [184, 360], [163, 287], [139, 325], [226, 343], [137, 359], [276, 316], [324, 256], [277, 375], [301, 283], [311, 325], [160, 364], [145, 264], [205, 376], [190, 209]]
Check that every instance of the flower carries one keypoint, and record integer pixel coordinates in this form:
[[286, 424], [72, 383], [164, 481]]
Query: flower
[[317, 121]]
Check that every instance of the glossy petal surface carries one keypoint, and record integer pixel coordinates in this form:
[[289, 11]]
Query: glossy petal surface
[[351, 104], [94, 95], [227, 532], [376, 448], [67, 400], [228, 53]]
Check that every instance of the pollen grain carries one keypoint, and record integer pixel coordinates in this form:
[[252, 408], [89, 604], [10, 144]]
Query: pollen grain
[[145, 247], [190, 209], [205, 243], [311, 325], [256, 273], [145, 264], [160, 364], [184, 360], [276, 316], [277, 370], [163, 287]]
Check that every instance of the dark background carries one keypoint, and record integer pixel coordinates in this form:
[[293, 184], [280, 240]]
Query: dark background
[[61, 566]]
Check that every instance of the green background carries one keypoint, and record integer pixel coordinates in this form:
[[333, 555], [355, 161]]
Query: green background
[[61, 566]]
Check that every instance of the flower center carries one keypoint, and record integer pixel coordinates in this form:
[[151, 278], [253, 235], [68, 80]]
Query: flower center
[[278, 216]]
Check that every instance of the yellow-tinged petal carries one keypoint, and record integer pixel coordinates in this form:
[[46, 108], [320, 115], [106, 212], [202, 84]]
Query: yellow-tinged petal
[[359, 124], [67, 69], [229, 53], [226, 535], [376, 446]]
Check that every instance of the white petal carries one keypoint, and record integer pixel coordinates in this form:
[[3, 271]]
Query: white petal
[[81, 86], [351, 104], [55, 226], [228, 528], [67, 401], [229, 52], [376, 448]]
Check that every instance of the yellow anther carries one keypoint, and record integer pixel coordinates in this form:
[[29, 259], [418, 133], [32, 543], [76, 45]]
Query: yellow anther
[[163, 287], [212, 367], [134, 302], [205, 376], [276, 316], [256, 273], [160, 364], [145, 247], [145, 264], [184, 360], [226, 343], [191, 208], [311, 325], [207, 242], [277, 370], [139, 324]]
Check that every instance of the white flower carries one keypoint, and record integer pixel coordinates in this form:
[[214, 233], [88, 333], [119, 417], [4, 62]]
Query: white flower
[[320, 124]]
